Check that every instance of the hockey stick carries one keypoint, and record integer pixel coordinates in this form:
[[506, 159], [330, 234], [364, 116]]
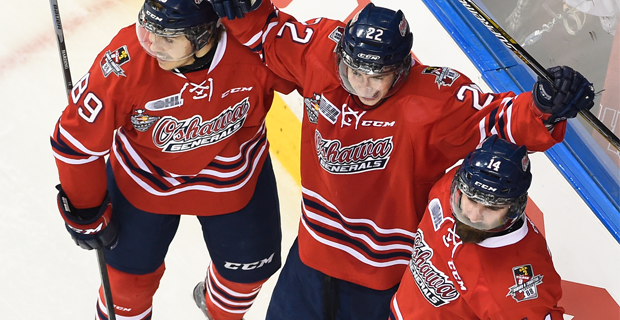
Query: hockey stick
[[62, 50], [505, 38], [105, 280], [64, 60]]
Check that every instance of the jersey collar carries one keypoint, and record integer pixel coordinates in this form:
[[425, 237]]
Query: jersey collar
[[507, 239]]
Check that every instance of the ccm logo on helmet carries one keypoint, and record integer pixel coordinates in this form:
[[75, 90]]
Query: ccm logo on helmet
[[248, 266], [368, 56], [484, 186], [148, 13]]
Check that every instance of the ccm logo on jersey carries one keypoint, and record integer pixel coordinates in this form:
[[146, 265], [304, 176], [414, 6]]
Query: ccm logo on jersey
[[349, 115], [248, 266], [235, 90], [378, 124], [456, 275]]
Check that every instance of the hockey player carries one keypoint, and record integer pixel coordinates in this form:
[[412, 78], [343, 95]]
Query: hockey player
[[379, 129], [188, 105], [476, 255]]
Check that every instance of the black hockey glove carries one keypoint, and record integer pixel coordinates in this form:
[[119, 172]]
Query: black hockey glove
[[569, 93], [91, 228], [232, 9]]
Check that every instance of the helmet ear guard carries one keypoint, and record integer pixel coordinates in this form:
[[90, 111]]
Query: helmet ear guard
[[495, 174]]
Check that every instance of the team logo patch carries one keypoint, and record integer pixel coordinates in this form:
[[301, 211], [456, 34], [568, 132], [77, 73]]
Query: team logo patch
[[402, 27], [434, 285], [312, 108], [525, 283], [113, 60], [173, 135], [443, 76], [367, 155], [525, 162], [142, 121]]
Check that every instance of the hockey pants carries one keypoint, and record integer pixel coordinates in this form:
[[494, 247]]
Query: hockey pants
[[244, 246], [303, 293]]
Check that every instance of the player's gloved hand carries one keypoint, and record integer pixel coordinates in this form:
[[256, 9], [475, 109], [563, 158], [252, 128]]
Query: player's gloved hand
[[569, 93], [232, 9], [91, 228]]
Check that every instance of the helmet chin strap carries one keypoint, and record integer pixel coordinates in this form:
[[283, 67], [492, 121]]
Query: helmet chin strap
[[200, 63]]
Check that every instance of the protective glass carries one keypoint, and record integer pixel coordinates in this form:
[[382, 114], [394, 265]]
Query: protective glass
[[163, 44], [459, 189], [369, 80]]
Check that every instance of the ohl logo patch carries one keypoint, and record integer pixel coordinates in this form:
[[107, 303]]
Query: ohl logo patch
[[525, 283], [112, 62]]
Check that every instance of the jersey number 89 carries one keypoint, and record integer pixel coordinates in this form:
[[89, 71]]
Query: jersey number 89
[[92, 105]]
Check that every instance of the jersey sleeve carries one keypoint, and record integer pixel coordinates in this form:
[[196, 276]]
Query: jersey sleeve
[[285, 44], [83, 136], [469, 116]]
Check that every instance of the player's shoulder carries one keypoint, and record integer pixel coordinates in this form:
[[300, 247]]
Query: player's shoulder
[[126, 36], [438, 207], [434, 78], [121, 62], [332, 28], [316, 32], [445, 181]]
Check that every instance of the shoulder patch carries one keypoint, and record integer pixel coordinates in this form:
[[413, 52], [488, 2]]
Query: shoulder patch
[[336, 34], [328, 110], [434, 207], [526, 283], [444, 76], [113, 60], [312, 108]]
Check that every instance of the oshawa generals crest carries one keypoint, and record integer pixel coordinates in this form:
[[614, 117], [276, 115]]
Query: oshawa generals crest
[[360, 157], [435, 285], [173, 135]]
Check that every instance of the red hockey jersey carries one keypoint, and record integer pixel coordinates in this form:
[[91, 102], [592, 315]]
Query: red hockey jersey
[[505, 277], [190, 143], [366, 174]]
